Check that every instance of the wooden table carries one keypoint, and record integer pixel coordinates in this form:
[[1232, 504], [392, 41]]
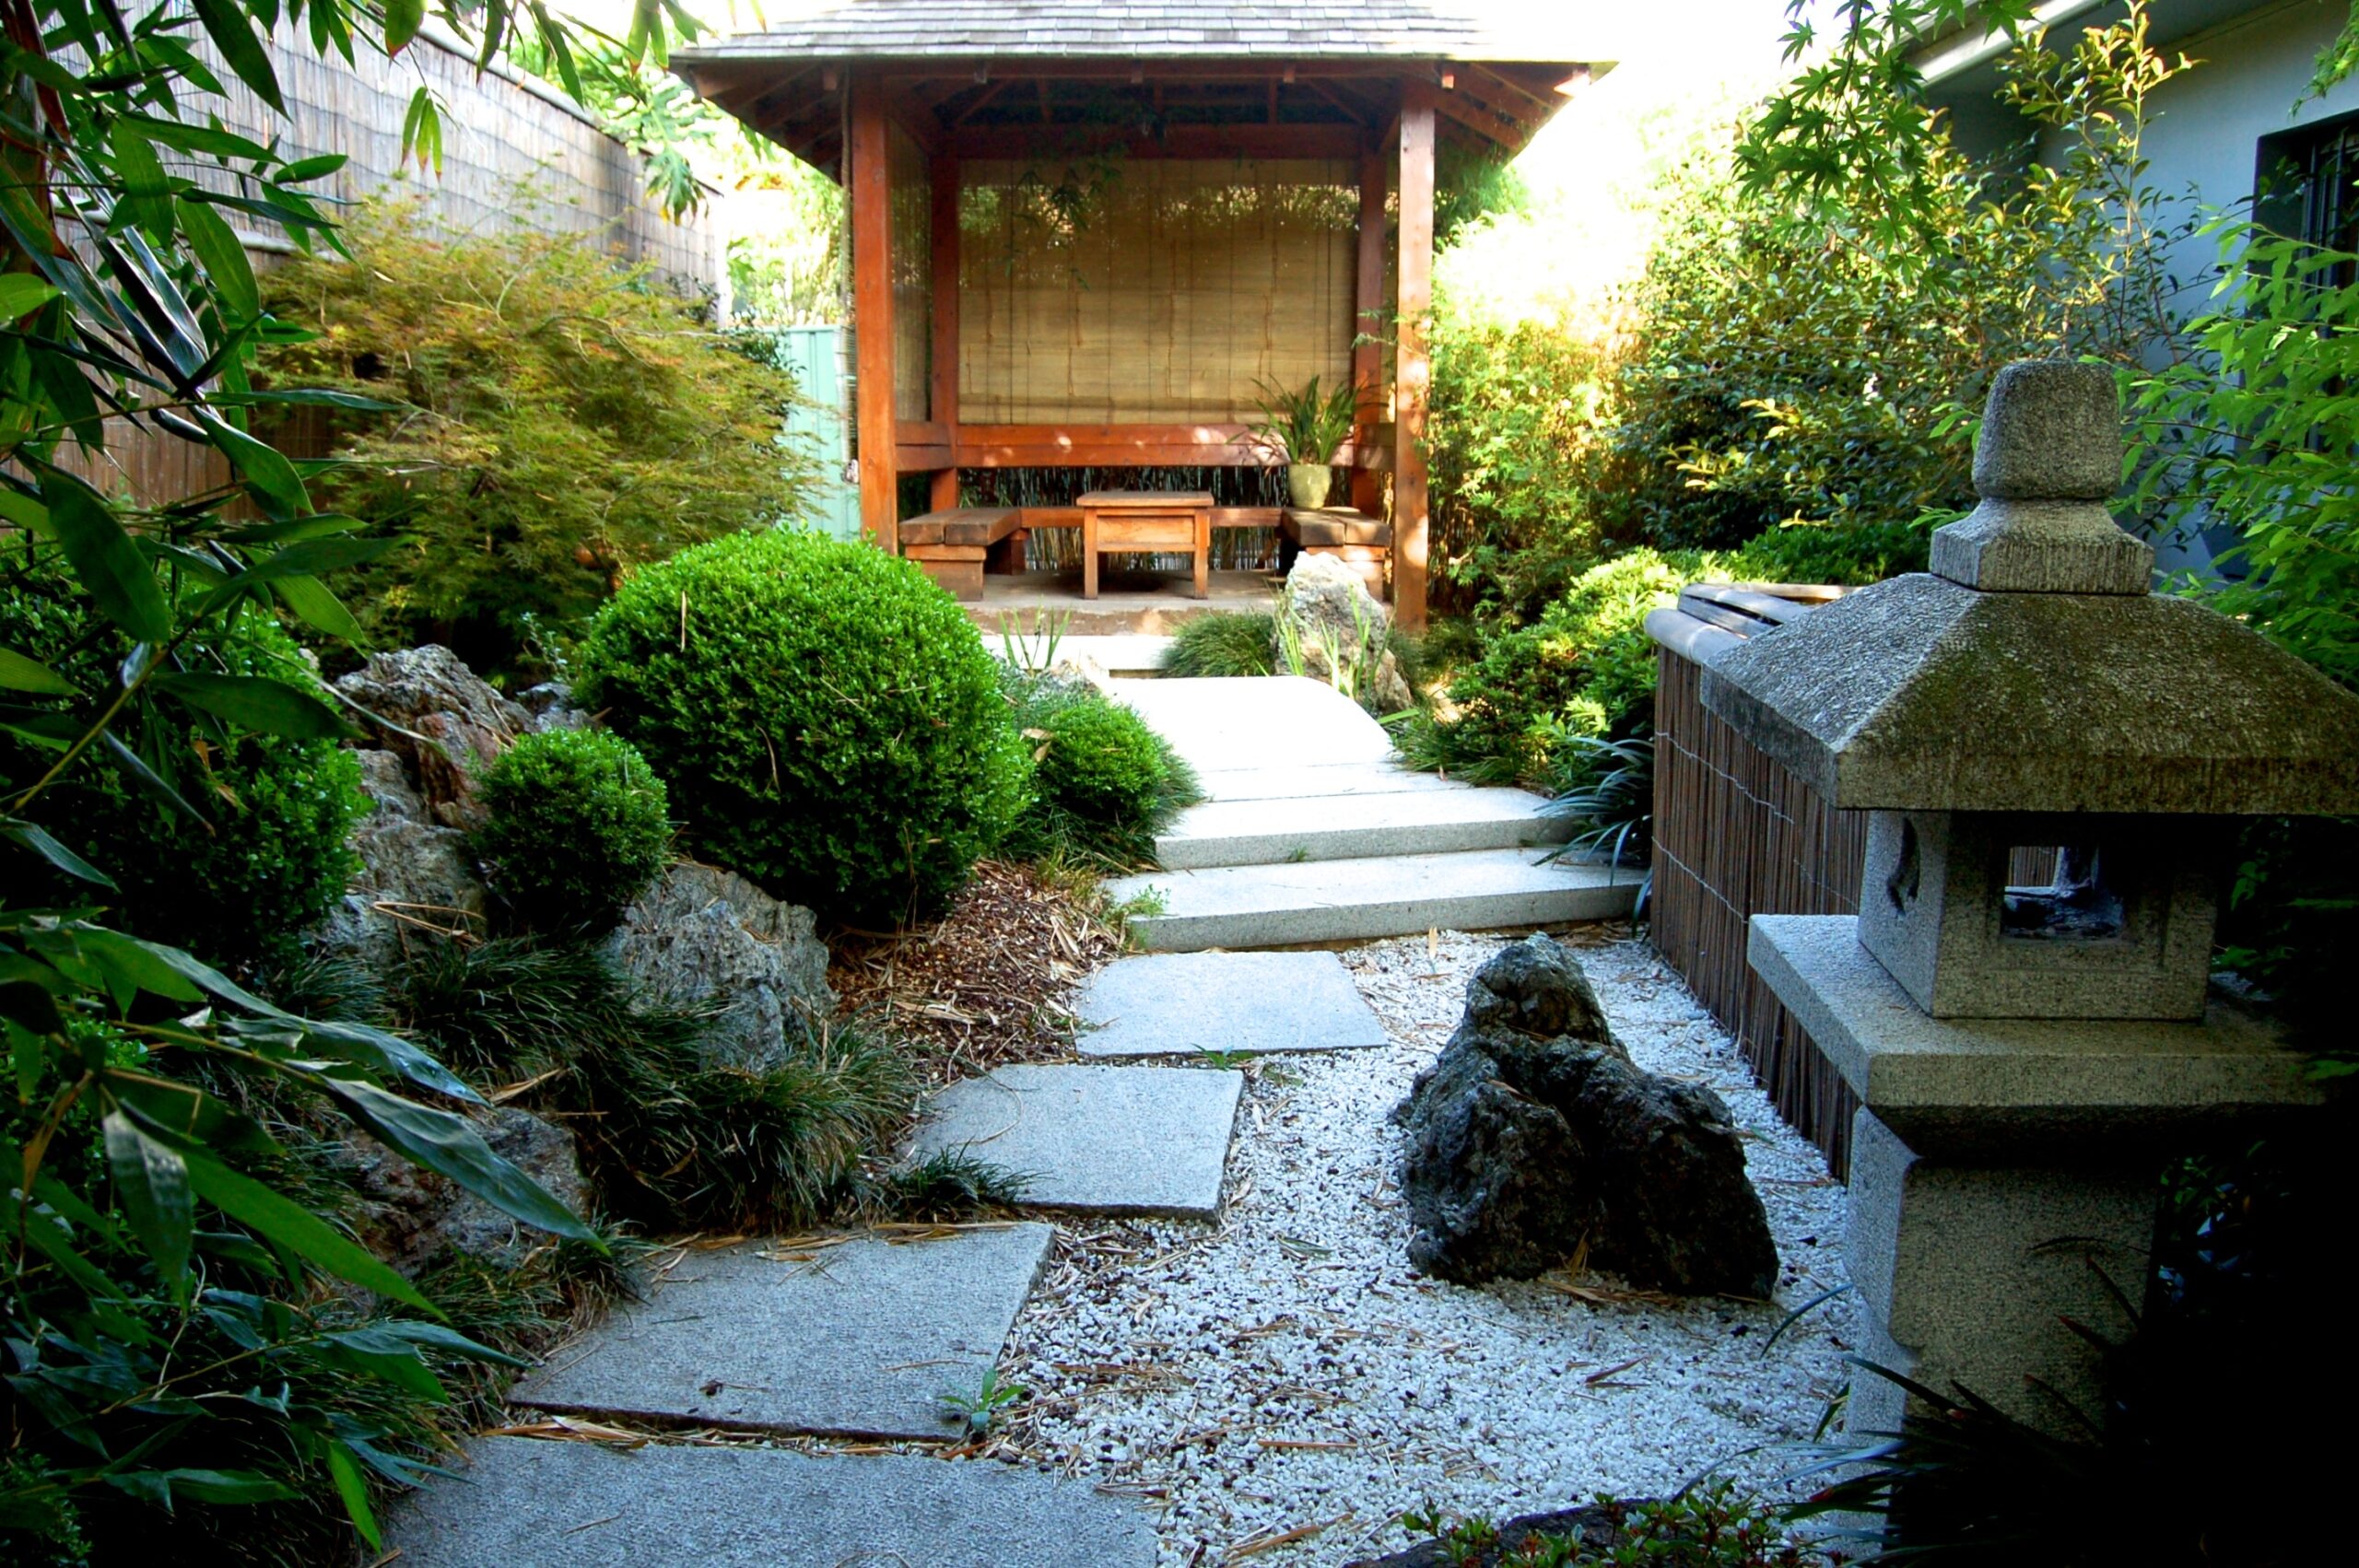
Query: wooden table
[[1157, 520]]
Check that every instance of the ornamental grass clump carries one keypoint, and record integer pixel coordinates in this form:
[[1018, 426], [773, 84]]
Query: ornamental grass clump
[[829, 720], [578, 825]]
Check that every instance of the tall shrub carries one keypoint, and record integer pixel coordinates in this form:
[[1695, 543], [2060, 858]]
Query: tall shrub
[[561, 418], [827, 720], [1814, 374]]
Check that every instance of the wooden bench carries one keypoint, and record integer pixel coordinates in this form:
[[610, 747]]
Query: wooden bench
[[956, 547], [1359, 541]]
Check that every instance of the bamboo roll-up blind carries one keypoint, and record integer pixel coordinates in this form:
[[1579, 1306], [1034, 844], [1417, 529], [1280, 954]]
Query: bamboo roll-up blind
[[910, 195], [1151, 291]]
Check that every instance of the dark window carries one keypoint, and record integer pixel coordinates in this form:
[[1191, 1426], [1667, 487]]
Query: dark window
[[2304, 185]]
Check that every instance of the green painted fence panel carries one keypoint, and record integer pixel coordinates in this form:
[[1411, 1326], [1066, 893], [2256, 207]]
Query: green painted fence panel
[[815, 357]]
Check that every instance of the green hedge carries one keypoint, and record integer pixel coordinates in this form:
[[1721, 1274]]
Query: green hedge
[[269, 860], [826, 718], [578, 824], [1105, 784]]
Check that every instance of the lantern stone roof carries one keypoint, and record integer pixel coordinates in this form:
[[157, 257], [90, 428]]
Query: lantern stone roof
[[2031, 670]]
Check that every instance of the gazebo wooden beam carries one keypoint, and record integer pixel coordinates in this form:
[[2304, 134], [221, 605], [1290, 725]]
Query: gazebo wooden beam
[[1413, 364], [1176, 141], [872, 286]]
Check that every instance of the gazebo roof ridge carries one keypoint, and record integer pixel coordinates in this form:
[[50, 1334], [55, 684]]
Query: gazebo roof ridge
[[1154, 30]]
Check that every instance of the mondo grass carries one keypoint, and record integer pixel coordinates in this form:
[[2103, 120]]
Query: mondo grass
[[1227, 642], [668, 1136]]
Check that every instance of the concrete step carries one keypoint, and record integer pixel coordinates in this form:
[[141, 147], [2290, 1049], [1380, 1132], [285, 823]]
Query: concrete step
[[1356, 826], [1323, 780], [1272, 721], [1275, 906]]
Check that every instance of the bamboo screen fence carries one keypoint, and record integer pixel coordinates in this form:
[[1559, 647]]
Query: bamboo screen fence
[[1151, 290], [1737, 835]]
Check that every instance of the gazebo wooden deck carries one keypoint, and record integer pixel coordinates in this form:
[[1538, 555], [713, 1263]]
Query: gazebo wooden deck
[[1086, 234]]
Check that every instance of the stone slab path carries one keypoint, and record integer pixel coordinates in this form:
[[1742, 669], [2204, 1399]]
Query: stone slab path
[[856, 1340], [589, 1505], [1311, 831], [1096, 1139], [1175, 1003]]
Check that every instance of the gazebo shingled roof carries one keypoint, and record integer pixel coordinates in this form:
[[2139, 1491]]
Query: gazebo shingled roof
[[1371, 84]]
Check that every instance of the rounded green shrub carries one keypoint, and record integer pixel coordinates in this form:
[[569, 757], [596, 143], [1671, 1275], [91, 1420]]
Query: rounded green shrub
[[271, 857], [1104, 783], [579, 824], [829, 720]]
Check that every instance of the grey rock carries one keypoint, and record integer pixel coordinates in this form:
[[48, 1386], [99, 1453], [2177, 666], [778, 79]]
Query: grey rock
[[857, 1339], [1173, 1003], [1095, 1139], [2051, 431], [1533, 1134], [516, 1502], [551, 706], [416, 876], [442, 720], [701, 935], [1340, 623], [414, 1218]]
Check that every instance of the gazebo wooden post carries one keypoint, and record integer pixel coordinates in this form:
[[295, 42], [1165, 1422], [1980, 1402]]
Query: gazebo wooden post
[[1412, 366], [1367, 326], [944, 219], [869, 154]]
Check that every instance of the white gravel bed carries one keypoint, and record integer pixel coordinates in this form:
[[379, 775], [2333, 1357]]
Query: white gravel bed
[[1288, 1369]]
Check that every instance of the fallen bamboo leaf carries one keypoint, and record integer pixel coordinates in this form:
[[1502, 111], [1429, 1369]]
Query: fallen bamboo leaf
[[1594, 1378]]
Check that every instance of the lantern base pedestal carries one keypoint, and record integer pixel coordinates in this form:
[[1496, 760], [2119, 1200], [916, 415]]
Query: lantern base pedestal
[[2004, 1170]]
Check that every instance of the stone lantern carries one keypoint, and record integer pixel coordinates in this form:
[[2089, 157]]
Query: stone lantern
[[2050, 755]]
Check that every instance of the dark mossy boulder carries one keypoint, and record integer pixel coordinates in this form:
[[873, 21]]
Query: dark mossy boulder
[[1533, 1135]]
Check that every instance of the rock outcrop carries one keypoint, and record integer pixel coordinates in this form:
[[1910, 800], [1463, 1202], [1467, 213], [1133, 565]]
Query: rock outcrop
[[442, 720], [1533, 1135], [701, 935], [415, 873], [1343, 632], [414, 1218]]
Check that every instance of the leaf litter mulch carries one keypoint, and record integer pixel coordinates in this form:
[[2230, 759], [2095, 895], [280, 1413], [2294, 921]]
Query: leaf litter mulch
[[986, 985]]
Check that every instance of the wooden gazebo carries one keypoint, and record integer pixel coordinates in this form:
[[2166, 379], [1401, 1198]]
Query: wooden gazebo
[[1083, 231]]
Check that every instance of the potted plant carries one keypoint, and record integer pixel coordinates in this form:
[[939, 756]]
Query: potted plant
[[1305, 427]]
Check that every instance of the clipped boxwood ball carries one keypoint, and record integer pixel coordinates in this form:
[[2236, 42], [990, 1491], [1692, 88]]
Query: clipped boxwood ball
[[578, 824], [1105, 783], [270, 860], [829, 720]]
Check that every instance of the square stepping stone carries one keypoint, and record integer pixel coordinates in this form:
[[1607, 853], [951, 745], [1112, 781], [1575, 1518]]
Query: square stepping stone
[[1099, 1139], [1168, 1004], [519, 1501], [858, 1339]]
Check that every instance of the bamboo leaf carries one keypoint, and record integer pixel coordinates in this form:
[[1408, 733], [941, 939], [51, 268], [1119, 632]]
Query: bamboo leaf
[[19, 673], [279, 1219], [151, 1181], [231, 33], [450, 1145], [258, 703], [109, 565]]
